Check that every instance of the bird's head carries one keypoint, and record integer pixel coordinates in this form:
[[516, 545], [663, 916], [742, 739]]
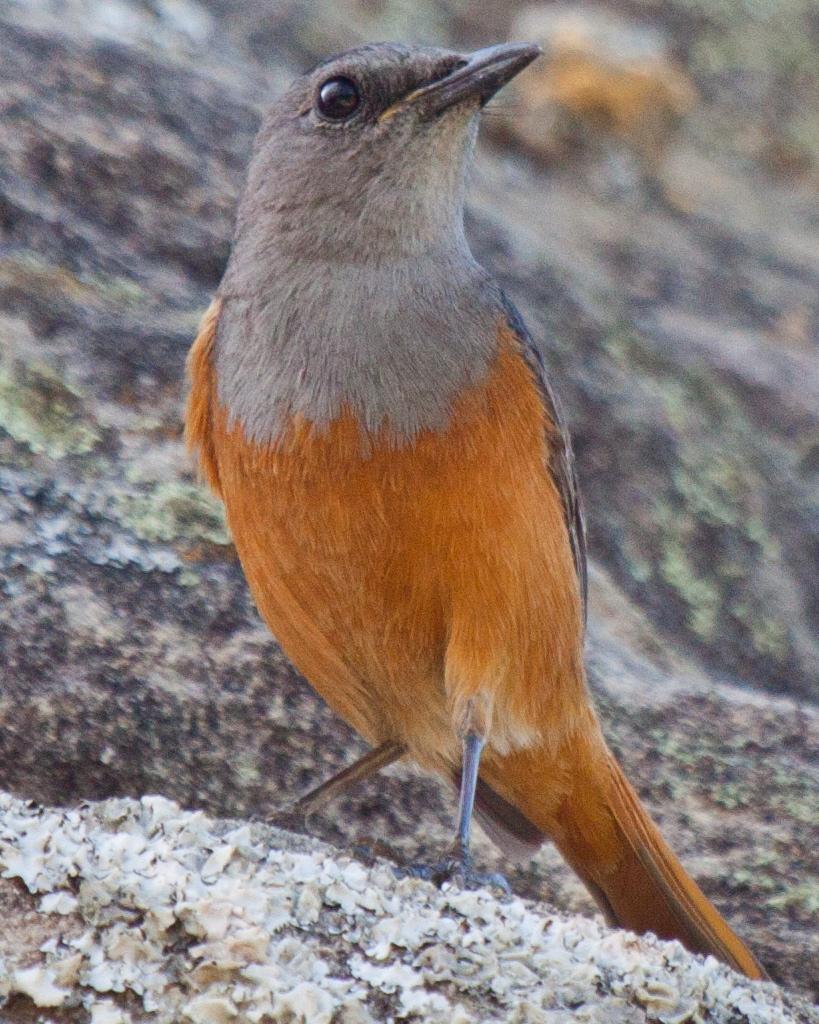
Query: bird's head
[[363, 158]]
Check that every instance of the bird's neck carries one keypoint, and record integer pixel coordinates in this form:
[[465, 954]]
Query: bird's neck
[[392, 340]]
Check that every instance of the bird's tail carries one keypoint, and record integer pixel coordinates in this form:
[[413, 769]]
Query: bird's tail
[[596, 820]]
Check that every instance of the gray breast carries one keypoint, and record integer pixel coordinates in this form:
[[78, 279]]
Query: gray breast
[[394, 343]]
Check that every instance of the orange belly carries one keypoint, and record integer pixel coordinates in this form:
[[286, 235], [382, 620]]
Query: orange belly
[[404, 581]]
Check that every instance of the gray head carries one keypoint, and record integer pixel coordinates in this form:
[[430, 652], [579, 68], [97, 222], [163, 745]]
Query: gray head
[[350, 282], [365, 154]]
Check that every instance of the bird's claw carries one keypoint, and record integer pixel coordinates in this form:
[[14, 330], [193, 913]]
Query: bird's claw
[[457, 869]]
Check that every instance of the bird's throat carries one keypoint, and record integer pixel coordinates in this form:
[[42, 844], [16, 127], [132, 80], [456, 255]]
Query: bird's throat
[[393, 344]]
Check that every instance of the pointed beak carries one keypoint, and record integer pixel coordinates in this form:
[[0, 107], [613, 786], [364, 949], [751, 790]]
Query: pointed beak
[[481, 75]]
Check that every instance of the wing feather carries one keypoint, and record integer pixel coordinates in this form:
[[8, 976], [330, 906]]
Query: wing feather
[[561, 460]]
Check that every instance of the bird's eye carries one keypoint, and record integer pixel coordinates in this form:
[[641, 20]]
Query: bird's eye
[[338, 98]]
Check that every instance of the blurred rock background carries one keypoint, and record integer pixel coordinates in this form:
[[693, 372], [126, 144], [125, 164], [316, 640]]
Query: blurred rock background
[[648, 194]]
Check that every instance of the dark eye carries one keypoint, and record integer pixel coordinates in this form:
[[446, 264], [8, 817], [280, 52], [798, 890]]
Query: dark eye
[[338, 98]]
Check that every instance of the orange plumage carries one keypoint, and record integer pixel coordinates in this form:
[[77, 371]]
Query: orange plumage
[[411, 582], [385, 589]]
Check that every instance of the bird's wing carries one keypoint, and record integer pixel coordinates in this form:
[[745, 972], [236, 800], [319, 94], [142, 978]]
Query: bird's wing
[[199, 412], [561, 460]]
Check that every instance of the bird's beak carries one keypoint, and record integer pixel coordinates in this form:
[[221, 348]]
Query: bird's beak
[[481, 75]]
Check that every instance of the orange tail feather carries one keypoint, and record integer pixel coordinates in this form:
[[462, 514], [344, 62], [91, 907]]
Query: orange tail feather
[[597, 822], [651, 891]]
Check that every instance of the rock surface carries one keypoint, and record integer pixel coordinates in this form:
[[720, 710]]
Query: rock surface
[[683, 336], [130, 911], [601, 79]]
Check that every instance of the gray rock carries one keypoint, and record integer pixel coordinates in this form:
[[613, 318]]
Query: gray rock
[[135, 911]]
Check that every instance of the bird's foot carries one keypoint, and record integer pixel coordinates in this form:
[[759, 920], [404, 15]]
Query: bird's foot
[[457, 869]]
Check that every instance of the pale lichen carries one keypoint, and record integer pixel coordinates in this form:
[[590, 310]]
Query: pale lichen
[[172, 510], [710, 538], [191, 919], [40, 410]]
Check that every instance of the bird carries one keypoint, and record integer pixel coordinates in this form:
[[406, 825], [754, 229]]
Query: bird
[[399, 482]]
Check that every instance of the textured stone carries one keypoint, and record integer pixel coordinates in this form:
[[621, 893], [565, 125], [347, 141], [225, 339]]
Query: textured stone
[[602, 79], [180, 917]]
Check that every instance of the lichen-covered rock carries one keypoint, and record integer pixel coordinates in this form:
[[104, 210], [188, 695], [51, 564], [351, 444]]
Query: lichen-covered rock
[[162, 915], [682, 338], [602, 79]]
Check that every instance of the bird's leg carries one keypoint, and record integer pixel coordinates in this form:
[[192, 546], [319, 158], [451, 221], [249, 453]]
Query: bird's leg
[[295, 816], [457, 865], [473, 744]]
